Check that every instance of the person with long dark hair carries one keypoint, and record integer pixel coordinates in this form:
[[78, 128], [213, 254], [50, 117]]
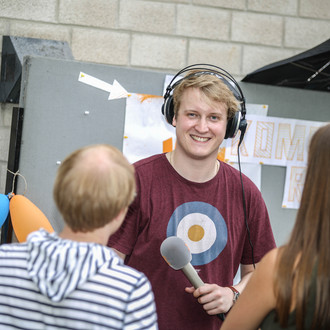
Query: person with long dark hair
[[290, 288]]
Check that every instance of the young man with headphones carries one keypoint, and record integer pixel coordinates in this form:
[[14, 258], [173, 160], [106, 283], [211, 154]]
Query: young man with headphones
[[189, 193]]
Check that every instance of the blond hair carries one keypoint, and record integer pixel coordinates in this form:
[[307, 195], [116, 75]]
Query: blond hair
[[92, 186], [211, 85]]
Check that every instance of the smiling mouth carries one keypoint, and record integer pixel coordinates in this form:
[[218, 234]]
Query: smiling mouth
[[199, 139]]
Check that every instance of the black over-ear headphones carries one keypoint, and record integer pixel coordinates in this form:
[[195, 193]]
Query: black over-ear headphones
[[238, 122]]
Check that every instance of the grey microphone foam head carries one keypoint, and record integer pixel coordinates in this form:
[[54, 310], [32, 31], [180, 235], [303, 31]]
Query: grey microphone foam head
[[175, 252]]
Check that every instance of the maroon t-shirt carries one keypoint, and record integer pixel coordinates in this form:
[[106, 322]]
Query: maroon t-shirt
[[209, 217]]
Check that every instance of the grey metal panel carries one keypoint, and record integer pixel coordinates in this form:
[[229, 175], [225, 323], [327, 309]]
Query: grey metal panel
[[55, 122], [289, 102]]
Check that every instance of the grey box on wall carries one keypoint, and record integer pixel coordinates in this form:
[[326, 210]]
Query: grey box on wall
[[14, 49]]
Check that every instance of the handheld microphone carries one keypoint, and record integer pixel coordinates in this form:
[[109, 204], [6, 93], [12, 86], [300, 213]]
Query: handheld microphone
[[178, 256]]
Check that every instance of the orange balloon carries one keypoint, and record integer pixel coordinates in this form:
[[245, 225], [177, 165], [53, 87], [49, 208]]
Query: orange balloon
[[26, 217]]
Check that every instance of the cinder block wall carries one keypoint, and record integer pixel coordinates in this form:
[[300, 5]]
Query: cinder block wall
[[238, 35]]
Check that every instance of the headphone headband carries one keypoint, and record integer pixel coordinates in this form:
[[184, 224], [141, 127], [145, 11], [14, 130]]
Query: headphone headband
[[222, 74]]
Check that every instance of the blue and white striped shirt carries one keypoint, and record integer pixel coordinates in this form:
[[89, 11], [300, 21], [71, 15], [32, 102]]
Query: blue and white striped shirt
[[52, 283]]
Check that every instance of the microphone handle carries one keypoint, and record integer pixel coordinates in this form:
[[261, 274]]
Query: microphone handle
[[196, 281], [192, 275]]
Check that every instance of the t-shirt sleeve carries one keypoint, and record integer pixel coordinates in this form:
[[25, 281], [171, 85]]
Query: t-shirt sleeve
[[125, 237]]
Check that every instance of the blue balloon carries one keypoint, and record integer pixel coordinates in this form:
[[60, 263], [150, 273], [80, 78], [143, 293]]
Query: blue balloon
[[4, 208]]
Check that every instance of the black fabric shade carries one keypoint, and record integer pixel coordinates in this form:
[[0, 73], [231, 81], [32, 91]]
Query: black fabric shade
[[308, 70]]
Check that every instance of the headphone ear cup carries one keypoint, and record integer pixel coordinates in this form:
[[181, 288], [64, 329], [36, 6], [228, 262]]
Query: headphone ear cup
[[168, 109], [233, 125]]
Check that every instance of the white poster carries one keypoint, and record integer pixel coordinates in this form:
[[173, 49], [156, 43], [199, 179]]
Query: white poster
[[274, 141], [294, 184], [280, 142], [146, 132]]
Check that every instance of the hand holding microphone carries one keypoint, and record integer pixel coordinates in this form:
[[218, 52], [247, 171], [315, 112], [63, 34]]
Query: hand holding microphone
[[178, 256]]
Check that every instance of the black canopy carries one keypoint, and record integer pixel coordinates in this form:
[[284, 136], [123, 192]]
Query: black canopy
[[307, 70]]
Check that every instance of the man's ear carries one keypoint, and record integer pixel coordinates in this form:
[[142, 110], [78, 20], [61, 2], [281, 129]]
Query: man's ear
[[174, 121]]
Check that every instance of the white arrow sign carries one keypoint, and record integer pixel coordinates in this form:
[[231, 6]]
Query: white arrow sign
[[116, 90]]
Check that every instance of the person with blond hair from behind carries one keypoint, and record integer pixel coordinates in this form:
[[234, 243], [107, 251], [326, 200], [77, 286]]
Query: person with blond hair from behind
[[290, 288], [71, 280]]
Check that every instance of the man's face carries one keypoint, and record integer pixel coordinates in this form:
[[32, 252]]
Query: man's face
[[200, 125]]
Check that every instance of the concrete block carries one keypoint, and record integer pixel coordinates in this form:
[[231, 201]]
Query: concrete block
[[257, 28], [305, 33], [158, 52], [40, 30], [100, 46], [174, 1], [233, 4], [225, 55], [37, 10], [201, 22], [4, 27], [282, 7], [100, 13], [255, 57], [315, 9], [146, 16]]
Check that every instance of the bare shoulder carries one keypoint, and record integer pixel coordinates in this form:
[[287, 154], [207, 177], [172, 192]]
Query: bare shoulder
[[270, 257], [266, 267], [257, 299]]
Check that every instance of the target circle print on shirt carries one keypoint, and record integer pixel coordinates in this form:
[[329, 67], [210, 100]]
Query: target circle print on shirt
[[202, 227]]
